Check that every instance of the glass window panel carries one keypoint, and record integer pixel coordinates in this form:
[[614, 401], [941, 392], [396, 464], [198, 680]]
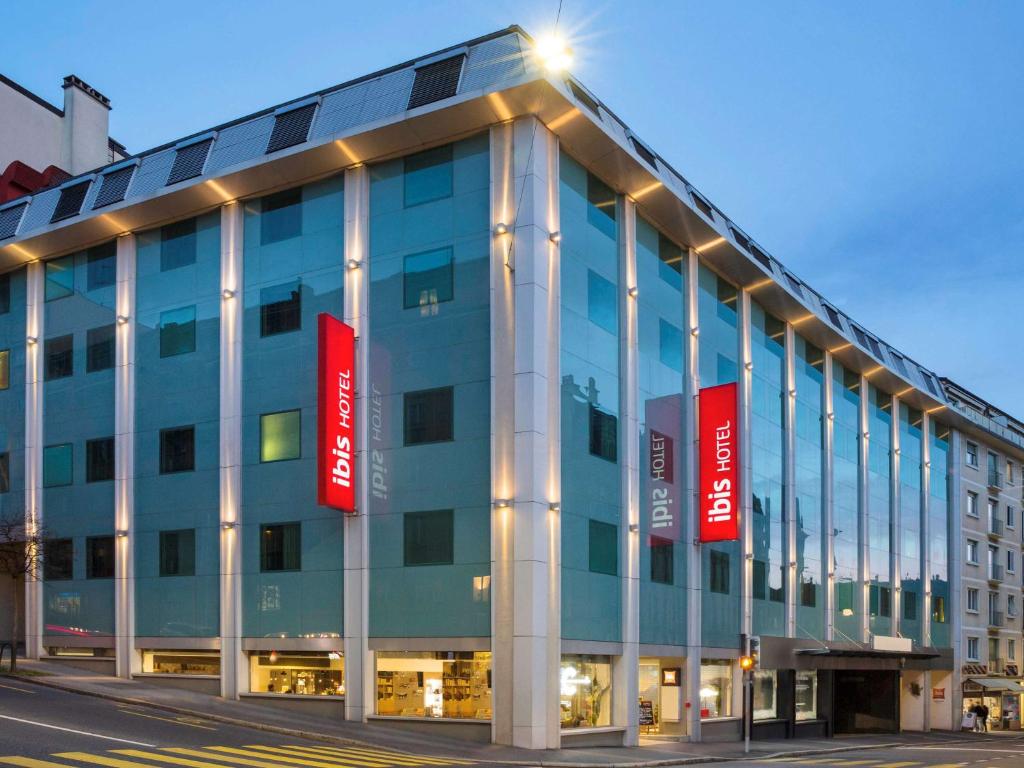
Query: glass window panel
[[101, 266], [602, 308], [57, 465], [453, 685], [58, 559], [177, 450], [604, 434], [585, 685], [181, 663], [429, 416], [715, 689], [5, 294], [281, 308], [300, 674], [280, 436], [806, 695], [280, 547], [60, 277], [601, 211], [178, 553], [765, 699], [5, 368], [428, 278], [428, 176], [604, 548], [178, 245], [281, 216], [5, 472], [178, 331], [99, 557], [60, 357], [719, 580], [670, 347], [429, 537], [662, 565], [99, 349], [99, 460]]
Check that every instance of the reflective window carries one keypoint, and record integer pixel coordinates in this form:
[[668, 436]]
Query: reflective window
[[178, 331], [429, 416], [281, 547], [972, 454], [429, 537], [715, 689], [60, 357], [5, 472], [765, 689], [880, 528], [939, 521], [178, 553], [604, 434], [912, 587], [602, 309], [5, 368], [718, 580], [177, 450], [99, 349], [281, 216], [428, 176], [662, 566], [585, 685], [5, 293], [280, 436], [60, 277], [306, 673], [101, 266], [181, 663], [434, 684], [58, 559], [99, 557], [846, 498], [178, 245], [806, 695], [428, 278], [57, 464], [281, 308], [809, 368], [604, 548], [670, 345], [99, 460]]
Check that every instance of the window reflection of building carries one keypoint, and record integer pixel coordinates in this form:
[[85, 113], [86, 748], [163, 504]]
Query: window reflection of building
[[715, 689], [585, 684], [765, 702], [806, 695], [434, 684]]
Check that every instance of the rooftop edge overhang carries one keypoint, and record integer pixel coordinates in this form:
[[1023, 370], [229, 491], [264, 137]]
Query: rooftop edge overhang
[[603, 145]]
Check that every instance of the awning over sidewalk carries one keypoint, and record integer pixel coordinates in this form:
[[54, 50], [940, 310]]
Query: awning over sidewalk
[[1000, 684], [865, 653]]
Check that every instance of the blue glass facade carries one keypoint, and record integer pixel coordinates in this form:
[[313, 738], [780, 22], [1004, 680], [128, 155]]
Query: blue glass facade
[[846, 464], [912, 586], [941, 519], [809, 428], [880, 510], [12, 397]]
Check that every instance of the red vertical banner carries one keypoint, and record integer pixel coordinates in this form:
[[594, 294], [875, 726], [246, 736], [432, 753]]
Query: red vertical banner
[[719, 463], [336, 412]]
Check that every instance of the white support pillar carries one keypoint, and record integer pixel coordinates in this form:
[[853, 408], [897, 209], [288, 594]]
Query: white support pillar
[[864, 600], [34, 517], [828, 539], [127, 661], [359, 666], [789, 483], [234, 672], [895, 520], [691, 537], [746, 507], [626, 670]]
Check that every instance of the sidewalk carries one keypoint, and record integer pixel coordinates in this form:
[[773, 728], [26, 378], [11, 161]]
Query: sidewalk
[[649, 755]]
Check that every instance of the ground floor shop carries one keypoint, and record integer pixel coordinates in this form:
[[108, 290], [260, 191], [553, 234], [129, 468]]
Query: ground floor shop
[[1000, 696]]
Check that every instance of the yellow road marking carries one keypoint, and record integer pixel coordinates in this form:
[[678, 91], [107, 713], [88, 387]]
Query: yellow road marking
[[280, 758], [338, 760], [112, 762], [896, 765], [20, 690], [392, 754], [165, 758], [225, 758], [947, 765], [175, 721], [30, 762], [858, 762]]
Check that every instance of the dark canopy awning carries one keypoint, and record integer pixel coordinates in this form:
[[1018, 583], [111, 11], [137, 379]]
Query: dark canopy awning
[[865, 653]]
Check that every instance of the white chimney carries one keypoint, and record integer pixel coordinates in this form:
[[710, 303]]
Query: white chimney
[[84, 145]]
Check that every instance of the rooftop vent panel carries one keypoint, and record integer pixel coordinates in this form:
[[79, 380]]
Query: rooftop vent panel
[[584, 98], [291, 128], [897, 361], [113, 187], [189, 161], [762, 258], [739, 237], [929, 382], [703, 205], [645, 154], [436, 81], [833, 316], [795, 284], [70, 203], [9, 220]]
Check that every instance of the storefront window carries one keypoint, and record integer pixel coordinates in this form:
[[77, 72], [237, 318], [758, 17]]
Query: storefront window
[[181, 662], [586, 685], [715, 689], [303, 674], [434, 684], [806, 695], [765, 703]]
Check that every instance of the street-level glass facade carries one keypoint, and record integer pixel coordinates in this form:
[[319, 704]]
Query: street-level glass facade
[[848, 584], [455, 686], [585, 684], [591, 428], [808, 446], [912, 587], [297, 673], [662, 340]]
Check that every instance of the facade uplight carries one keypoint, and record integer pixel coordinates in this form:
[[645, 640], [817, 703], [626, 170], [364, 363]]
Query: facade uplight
[[227, 293]]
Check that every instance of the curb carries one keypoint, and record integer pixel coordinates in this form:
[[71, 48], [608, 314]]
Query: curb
[[342, 740]]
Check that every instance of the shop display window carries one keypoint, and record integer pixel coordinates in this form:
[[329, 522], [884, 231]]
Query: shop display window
[[181, 662], [302, 674], [715, 689], [765, 701], [454, 685], [585, 691], [806, 695]]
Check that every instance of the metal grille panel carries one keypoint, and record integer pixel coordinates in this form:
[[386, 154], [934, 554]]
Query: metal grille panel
[[9, 220], [152, 174], [584, 98], [113, 187], [645, 154], [291, 128], [340, 110], [436, 81], [239, 143], [189, 161], [493, 62], [70, 202]]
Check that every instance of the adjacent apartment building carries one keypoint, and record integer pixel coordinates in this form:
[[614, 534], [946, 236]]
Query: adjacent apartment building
[[543, 306]]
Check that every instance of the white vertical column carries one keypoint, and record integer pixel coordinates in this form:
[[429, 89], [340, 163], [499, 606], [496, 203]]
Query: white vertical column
[[34, 321], [895, 521], [626, 670], [792, 523], [359, 667], [124, 460], [528, 532], [233, 670], [864, 601], [828, 539], [746, 375], [691, 538]]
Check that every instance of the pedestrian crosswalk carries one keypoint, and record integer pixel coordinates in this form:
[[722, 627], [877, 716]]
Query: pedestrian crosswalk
[[837, 762], [248, 756]]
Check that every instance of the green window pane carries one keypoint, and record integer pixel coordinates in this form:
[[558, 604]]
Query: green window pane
[[178, 553], [601, 307], [428, 278], [58, 559], [670, 345], [60, 277], [5, 472], [604, 548], [280, 436], [99, 557], [280, 547], [178, 331], [5, 368], [57, 463], [101, 266], [281, 216], [178, 245], [429, 538], [428, 176]]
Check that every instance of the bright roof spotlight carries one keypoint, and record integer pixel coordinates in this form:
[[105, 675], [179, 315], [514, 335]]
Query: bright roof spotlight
[[554, 52]]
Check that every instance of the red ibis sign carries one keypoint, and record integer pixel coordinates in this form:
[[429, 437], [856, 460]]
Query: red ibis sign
[[336, 411], [719, 464]]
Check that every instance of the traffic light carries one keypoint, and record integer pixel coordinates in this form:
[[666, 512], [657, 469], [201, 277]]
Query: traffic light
[[746, 663]]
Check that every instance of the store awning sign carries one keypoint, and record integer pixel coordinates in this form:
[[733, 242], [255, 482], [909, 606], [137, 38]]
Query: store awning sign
[[336, 423], [719, 463]]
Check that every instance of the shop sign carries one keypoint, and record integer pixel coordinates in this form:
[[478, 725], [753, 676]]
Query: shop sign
[[336, 414], [719, 464], [663, 417], [938, 694], [646, 712]]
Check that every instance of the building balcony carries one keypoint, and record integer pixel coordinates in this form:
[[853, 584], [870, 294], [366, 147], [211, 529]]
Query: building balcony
[[996, 619], [995, 528], [995, 480], [995, 574]]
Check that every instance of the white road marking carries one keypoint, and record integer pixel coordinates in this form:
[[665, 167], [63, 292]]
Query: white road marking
[[72, 730]]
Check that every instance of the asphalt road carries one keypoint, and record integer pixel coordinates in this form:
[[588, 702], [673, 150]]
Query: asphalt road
[[996, 752]]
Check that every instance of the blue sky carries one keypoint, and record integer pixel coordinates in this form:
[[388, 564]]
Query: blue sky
[[875, 148]]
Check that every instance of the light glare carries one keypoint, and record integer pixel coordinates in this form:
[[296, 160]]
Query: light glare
[[554, 52]]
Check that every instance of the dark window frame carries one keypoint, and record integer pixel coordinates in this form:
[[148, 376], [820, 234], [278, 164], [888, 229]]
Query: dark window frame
[[169, 463], [100, 348], [96, 566], [603, 439], [282, 315], [719, 576], [95, 460], [416, 528], [59, 364], [60, 568], [436, 431], [602, 543], [166, 560], [281, 216], [662, 552], [71, 462], [5, 472], [290, 558]]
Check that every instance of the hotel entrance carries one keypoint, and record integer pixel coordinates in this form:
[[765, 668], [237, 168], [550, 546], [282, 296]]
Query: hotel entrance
[[866, 701], [661, 697]]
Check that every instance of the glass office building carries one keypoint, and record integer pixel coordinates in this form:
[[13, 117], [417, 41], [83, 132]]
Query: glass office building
[[538, 300]]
